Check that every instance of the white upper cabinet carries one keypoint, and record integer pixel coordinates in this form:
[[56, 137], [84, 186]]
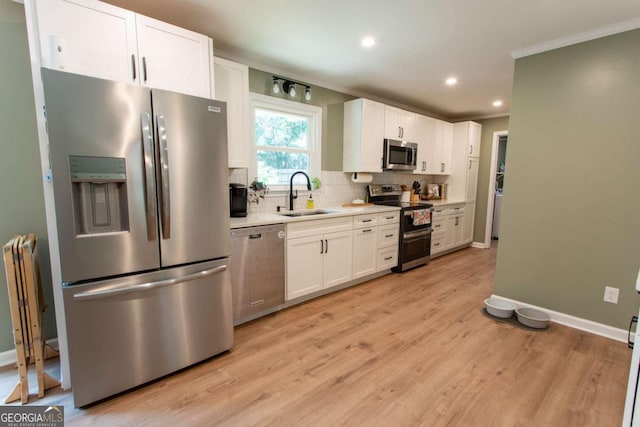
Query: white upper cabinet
[[173, 58], [97, 39], [424, 132], [88, 37], [442, 152], [363, 136], [232, 87], [473, 132], [399, 124]]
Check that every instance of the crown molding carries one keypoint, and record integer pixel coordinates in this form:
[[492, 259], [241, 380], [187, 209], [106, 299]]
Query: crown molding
[[596, 33]]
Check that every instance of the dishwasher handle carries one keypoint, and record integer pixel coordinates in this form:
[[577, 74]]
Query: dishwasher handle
[[105, 293]]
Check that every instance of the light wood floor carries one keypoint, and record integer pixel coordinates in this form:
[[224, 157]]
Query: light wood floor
[[402, 350]]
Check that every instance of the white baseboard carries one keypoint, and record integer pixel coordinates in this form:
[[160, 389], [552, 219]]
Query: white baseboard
[[603, 330], [8, 358], [478, 245]]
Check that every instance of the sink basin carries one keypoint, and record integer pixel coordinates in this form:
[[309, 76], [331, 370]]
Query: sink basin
[[305, 213]]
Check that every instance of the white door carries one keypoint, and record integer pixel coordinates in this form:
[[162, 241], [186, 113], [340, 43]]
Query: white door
[[337, 258], [172, 58], [392, 123], [407, 123], [88, 37], [475, 131], [372, 136], [424, 135], [304, 266], [364, 251], [468, 222], [232, 87], [472, 178], [457, 229]]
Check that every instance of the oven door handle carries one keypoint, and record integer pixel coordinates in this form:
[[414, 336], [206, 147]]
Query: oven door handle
[[414, 235]]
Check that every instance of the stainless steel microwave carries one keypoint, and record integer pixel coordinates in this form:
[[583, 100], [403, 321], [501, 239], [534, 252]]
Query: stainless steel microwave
[[399, 155]]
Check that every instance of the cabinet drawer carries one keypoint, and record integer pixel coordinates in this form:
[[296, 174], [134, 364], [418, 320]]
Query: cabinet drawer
[[388, 235], [318, 226], [439, 211], [360, 221], [456, 209], [437, 243], [387, 258], [439, 224], [389, 218]]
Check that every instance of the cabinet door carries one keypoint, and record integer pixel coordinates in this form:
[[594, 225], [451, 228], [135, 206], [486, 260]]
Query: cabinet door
[[475, 133], [457, 229], [424, 135], [372, 136], [392, 128], [468, 222], [407, 123], [304, 266], [449, 231], [472, 178], [337, 258], [364, 251], [232, 87], [88, 37], [443, 149], [172, 58]]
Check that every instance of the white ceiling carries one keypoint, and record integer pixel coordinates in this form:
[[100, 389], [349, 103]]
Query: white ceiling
[[419, 42]]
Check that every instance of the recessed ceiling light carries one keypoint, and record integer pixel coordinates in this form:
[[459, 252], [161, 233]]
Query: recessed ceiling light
[[451, 81], [497, 103], [368, 41]]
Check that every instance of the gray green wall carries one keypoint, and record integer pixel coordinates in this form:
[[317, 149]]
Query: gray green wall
[[332, 114], [571, 221], [485, 182], [22, 206]]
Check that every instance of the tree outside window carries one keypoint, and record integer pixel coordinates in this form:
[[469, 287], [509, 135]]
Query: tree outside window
[[286, 136]]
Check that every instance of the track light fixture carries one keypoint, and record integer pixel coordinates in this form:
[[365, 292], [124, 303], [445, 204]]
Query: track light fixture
[[289, 87]]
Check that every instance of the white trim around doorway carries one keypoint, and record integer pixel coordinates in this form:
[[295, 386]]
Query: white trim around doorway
[[491, 191]]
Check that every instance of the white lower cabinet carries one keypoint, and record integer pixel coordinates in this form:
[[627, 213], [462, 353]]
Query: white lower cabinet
[[323, 253], [467, 222], [304, 266], [364, 251], [336, 265], [448, 226], [318, 255]]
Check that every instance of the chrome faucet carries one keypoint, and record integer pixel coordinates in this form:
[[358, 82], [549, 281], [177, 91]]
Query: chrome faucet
[[291, 196]]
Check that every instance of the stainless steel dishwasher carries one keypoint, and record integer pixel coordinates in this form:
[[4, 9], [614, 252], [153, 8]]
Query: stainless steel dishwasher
[[257, 271]]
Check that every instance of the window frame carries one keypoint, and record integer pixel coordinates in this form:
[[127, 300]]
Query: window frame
[[312, 112]]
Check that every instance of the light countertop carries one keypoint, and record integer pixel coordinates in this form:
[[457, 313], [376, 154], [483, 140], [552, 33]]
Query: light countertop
[[257, 219]]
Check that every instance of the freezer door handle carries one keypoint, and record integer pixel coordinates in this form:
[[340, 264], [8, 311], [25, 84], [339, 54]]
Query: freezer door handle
[[149, 179], [164, 177], [630, 343], [110, 292]]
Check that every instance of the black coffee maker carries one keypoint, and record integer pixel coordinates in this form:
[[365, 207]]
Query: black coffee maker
[[237, 200]]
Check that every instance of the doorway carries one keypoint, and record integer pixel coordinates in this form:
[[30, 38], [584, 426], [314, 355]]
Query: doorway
[[497, 175]]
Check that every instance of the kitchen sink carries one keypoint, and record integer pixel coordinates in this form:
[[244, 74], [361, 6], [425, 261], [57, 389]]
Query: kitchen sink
[[305, 213]]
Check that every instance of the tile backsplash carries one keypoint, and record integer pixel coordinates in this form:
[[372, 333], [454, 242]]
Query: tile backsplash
[[337, 188]]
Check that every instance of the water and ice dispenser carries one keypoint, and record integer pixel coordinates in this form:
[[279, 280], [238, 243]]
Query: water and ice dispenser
[[99, 186]]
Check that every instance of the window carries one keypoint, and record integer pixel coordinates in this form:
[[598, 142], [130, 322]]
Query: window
[[286, 139]]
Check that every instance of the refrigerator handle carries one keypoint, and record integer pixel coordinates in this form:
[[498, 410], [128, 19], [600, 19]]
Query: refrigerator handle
[[105, 293], [164, 177], [149, 178]]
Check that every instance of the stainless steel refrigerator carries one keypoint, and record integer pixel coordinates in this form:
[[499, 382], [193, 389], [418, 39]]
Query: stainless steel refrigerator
[[140, 185]]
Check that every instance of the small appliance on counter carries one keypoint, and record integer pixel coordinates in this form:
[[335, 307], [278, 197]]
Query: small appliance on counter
[[237, 200]]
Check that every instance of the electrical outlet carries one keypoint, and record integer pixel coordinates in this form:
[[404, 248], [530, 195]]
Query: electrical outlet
[[611, 294]]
